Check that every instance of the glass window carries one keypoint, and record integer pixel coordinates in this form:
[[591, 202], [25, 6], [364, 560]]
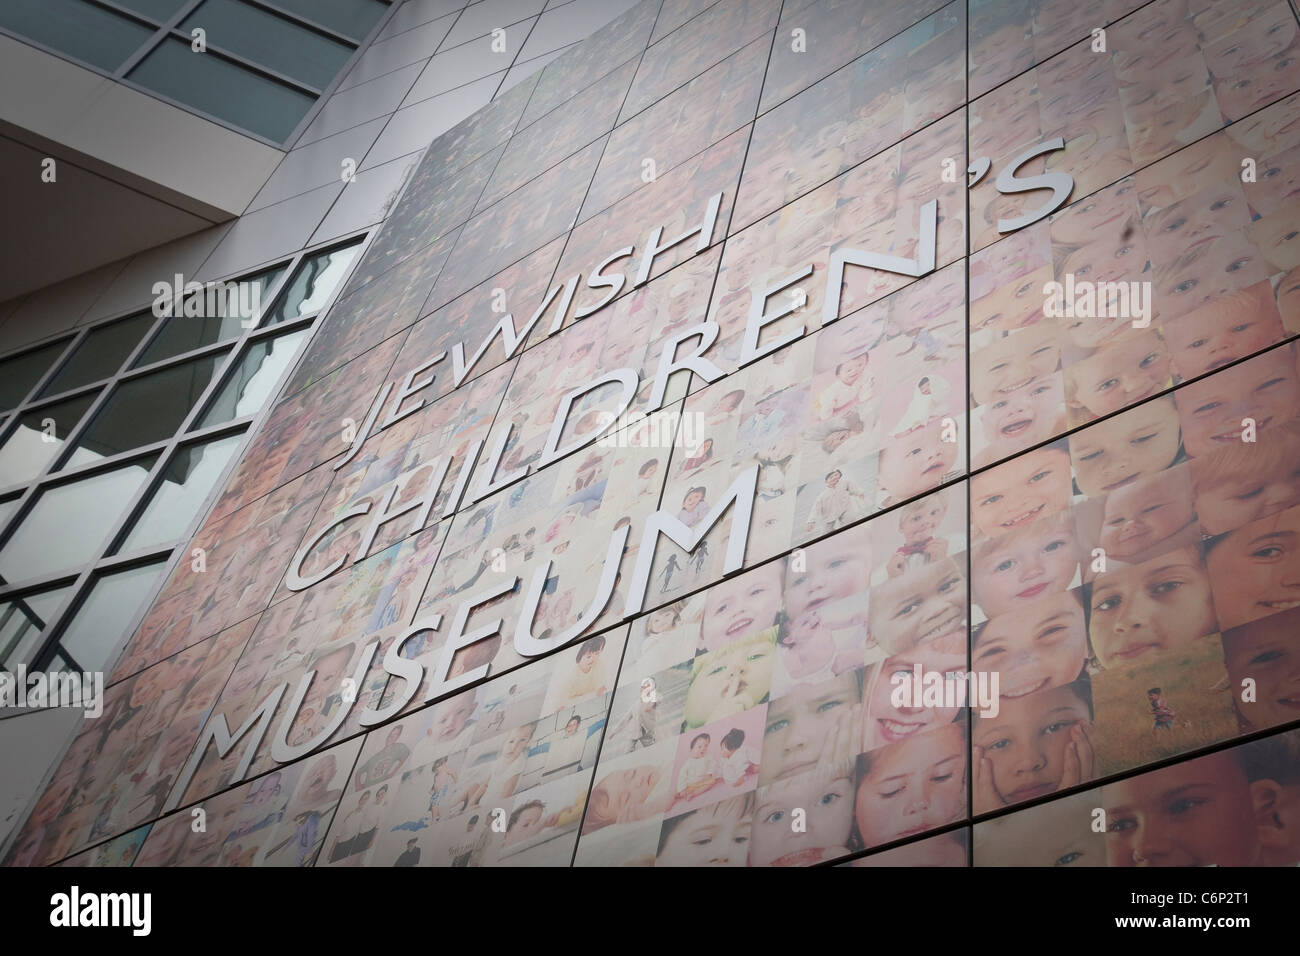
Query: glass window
[[100, 354], [22, 622], [186, 482], [20, 373], [68, 523], [145, 409], [82, 30], [222, 312], [312, 284], [270, 41], [98, 625], [38, 437], [352, 18], [223, 89], [251, 381], [159, 10]]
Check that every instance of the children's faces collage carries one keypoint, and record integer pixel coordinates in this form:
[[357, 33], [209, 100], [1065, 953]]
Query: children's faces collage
[[1132, 579], [768, 697], [1133, 584], [1135, 589], [497, 775], [1234, 807], [1169, 266]]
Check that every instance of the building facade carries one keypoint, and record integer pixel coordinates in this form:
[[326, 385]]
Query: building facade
[[761, 433]]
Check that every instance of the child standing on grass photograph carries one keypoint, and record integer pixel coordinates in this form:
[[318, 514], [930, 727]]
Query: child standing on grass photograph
[[1161, 712]]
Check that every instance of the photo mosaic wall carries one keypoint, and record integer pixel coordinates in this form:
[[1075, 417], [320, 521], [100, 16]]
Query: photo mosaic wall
[[773, 434]]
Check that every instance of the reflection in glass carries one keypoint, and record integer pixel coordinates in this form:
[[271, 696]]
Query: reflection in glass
[[68, 523], [38, 438], [223, 89], [100, 354], [20, 373], [271, 41], [98, 625], [223, 316], [23, 621], [145, 410], [186, 482], [82, 30], [251, 382], [312, 284]]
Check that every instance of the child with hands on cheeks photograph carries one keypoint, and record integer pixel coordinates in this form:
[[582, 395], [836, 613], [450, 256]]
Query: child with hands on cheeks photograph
[[1037, 744]]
